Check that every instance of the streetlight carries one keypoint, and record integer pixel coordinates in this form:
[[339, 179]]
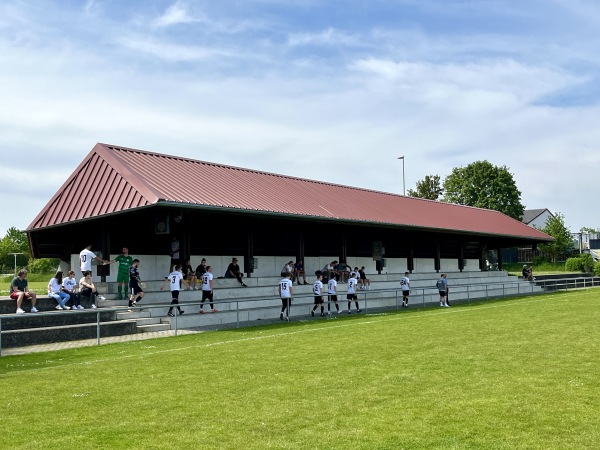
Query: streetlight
[[403, 179], [15, 255]]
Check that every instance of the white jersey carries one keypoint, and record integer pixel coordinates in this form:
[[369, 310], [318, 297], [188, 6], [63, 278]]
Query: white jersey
[[405, 283], [285, 288], [175, 280], [53, 286], [332, 286], [85, 258], [69, 284], [206, 279], [317, 287], [356, 274], [352, 282]]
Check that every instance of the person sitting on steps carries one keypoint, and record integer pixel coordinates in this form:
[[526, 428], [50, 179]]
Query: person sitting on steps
[[233, 271]]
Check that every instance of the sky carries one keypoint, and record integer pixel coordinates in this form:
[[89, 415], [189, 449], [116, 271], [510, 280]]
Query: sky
[[332, 90]]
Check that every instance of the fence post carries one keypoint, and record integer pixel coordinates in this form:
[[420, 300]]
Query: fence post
[[366, 307], [176, 314], [396, 294], [98, 327], [237, 313], [0, 336]]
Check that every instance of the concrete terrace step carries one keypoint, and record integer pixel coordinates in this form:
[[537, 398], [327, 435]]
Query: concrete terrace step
[[153, 328], [258, 302], [35, 336]]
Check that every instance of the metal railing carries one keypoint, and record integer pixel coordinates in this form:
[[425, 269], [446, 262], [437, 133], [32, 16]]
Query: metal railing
[[250, 310]]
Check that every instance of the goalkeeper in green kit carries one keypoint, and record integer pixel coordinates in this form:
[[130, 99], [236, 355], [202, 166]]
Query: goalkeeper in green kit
[[125, 261]]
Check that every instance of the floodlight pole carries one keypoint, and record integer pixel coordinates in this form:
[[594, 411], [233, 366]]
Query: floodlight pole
[[403, 178], [15, 255]]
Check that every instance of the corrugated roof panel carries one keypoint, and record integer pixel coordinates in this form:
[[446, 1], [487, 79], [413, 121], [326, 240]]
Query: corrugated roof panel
[[155, 177]]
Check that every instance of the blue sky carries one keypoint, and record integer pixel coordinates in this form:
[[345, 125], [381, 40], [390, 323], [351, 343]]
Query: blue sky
[[326, 90]]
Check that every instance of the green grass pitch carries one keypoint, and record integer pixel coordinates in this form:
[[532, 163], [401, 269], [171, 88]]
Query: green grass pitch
[[518, 373]]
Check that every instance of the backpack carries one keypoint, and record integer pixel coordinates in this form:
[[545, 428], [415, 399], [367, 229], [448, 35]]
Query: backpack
[[440, 285]]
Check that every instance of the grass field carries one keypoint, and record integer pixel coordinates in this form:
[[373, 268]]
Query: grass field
[[518, 373]]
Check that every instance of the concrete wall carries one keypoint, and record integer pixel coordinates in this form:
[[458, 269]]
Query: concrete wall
[[156, 267]]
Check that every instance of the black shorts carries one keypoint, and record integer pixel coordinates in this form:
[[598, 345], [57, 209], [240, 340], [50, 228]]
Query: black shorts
[[442, 293], [405, 293], [333, 297], [207, 295], [284, 301], [175, 294], [318, 299], [135, 287], [351, 297]]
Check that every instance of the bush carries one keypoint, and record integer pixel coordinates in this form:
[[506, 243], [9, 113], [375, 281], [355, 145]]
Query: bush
[[597, 269], [539, 260], [587, 262], [574, 265], [43, 265]]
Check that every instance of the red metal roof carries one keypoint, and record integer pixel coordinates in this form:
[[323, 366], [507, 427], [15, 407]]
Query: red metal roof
[[113, 179]]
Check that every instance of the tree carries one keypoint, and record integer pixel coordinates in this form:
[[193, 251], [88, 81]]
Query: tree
[[15, 241], [429, 188], [563, 241], [484, 185]]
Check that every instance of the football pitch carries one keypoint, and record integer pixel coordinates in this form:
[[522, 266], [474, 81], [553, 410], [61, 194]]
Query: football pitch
[[517, 373]]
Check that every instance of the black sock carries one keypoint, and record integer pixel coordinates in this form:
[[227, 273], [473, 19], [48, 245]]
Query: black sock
[[139, 297]]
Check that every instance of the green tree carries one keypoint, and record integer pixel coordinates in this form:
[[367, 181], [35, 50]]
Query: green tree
[[563, 241], [429, 188], [15, 241], [484, 185]]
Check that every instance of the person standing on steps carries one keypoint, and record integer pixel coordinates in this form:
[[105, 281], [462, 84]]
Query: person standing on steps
[[285, 293], [351, 294], [175, 280], [442, 287], [124, 261], [137, 293], [332, 294], [86, 256], [405, 286], [317, 289], [207, 290]]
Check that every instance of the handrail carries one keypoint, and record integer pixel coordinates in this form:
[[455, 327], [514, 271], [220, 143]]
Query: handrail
[[420, 296]]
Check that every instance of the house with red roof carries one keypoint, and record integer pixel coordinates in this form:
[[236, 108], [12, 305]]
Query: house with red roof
[[139, 199]]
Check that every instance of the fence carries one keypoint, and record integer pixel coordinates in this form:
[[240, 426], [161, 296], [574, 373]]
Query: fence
[[242, 312]]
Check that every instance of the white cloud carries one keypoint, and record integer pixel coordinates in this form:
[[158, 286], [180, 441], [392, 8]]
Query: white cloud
[[329, 36], [442, 101], [175, 14]]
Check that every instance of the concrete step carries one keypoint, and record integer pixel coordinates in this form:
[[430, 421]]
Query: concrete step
[[153, 328], [148, 321], [35, 336]]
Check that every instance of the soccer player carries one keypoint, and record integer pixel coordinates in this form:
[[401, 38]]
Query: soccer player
[[442, 286], [317, 288], [86, 256], [405, 286], [125, 261], [285, 293], [351, 294], [332, 294], [175, 280], [364, 281], [134, 284], [207, 290]]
